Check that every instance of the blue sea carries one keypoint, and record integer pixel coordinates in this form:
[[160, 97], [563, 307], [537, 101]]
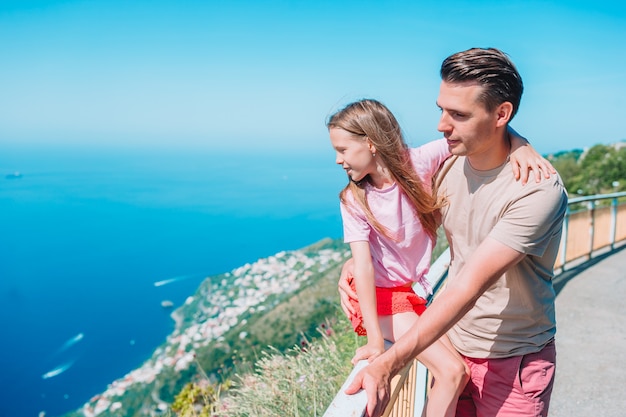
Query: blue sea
[[86, 232]]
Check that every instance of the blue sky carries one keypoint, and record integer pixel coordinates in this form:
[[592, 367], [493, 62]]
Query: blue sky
[[264, 75]]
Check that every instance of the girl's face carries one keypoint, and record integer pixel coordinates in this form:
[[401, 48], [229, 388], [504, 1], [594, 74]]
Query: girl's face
[[352, 153]]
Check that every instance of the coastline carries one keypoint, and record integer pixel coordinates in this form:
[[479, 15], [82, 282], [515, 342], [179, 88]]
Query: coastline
[[221, 303], [120, 222], [177, 318]]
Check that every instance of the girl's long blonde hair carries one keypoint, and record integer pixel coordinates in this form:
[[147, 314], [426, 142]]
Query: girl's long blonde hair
[[370, 119]]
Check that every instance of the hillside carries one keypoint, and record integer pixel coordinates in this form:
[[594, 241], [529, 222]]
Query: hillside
[[233, 317]]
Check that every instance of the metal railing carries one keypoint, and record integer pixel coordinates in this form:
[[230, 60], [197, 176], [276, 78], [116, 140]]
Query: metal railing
[[592, 226]]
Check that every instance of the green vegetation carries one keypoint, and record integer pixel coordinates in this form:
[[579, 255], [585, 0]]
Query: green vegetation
[[600, 169], [291, 320], [296, 340], [278, 304], [301, 381]]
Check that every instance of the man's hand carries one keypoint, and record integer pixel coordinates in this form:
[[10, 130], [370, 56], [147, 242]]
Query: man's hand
[[376, 381], [345, 292]]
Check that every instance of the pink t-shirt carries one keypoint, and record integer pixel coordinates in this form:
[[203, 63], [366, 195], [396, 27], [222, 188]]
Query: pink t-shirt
[[407, 258]]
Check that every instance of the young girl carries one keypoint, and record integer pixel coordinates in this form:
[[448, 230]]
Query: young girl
[[390, 221]]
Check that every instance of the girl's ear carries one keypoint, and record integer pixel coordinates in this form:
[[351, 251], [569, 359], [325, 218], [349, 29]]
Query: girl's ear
[[370, 145], [504, 112]]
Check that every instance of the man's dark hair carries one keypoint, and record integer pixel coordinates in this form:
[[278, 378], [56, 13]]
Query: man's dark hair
[[490, 68]]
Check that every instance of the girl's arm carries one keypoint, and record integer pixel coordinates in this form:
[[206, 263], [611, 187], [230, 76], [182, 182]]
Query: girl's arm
[[524, 158], [366, 291]]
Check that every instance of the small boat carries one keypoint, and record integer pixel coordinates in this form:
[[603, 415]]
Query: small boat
[[167, 304]]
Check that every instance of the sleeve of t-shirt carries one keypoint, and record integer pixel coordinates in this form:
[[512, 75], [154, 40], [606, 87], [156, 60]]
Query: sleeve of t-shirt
[[428, 158], [531, 220], [355, 225]]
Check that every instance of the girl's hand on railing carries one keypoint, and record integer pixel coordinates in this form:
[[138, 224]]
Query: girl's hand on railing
[[369, 351]]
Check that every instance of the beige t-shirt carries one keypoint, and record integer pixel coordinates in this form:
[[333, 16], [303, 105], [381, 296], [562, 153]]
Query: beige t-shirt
[[516, 315]]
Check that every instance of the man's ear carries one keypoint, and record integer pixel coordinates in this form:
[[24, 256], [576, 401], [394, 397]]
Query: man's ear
[[504, 113]]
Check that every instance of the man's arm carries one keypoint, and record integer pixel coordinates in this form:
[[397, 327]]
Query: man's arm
[[460, 295]]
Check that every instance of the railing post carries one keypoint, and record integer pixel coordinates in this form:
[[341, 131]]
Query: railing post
[[421, 388], [613, 222], [592, 224], [564, 238]]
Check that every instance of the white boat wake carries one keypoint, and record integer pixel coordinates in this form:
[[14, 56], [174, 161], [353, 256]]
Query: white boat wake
[[170, 280], [71, 342], [58, 370]]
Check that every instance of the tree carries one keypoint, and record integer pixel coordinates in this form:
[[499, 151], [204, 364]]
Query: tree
[[600, 169]]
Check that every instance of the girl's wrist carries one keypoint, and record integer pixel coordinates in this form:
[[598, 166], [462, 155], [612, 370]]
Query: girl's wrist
[[375, 340]]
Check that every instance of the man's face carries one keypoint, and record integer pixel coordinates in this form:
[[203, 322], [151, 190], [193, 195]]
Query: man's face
[[465, 122]]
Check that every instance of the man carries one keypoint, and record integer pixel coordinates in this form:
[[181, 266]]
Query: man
[[498, 305]]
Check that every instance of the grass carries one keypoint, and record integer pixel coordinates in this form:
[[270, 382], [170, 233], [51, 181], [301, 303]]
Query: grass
[[299, 382]]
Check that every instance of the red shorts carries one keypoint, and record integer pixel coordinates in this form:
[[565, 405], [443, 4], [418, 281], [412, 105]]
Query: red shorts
[[509, 387], [389, 301]]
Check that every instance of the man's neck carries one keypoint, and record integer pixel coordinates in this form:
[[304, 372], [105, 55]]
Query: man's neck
[[494, 155]]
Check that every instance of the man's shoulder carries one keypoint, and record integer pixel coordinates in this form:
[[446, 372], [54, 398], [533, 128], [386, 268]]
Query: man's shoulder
[[547, 197], [553, 185], [456, 172], [447, 166], [546, 188]]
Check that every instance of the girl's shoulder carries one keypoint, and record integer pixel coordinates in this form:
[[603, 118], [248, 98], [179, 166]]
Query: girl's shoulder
[[348, 199]]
